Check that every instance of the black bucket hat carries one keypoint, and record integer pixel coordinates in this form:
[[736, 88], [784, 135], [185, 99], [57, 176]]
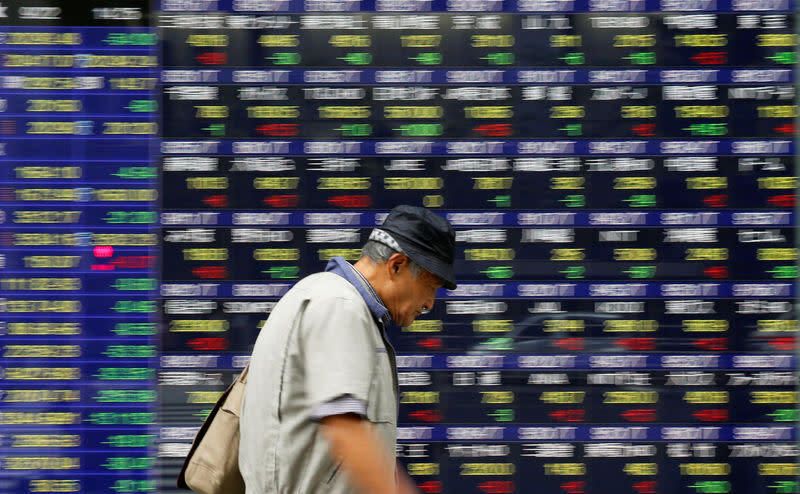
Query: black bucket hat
[[426, 238]]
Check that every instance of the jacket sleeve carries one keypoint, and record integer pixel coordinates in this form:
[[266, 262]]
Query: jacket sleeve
[[338, 351]]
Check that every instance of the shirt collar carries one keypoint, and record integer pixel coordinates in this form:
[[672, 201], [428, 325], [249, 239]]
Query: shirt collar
[[340, 266]]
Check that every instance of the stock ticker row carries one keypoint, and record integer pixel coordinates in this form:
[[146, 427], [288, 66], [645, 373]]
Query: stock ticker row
[[621, 178]]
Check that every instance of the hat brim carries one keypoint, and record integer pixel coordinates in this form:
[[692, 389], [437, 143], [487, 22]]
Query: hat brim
[[430, 263]]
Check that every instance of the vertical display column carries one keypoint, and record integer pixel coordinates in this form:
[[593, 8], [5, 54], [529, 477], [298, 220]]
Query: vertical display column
[[78, 198]]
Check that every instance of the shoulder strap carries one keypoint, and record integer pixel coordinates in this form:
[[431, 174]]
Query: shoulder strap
[[206, 424], [243, 375]]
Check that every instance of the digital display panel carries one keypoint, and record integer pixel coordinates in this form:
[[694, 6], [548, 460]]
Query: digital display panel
[[620, 175]]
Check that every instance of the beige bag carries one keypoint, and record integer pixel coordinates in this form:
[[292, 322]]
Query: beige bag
[[212, 465]]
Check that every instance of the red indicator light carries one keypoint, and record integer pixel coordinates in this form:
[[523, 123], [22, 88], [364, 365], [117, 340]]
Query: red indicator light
[[8, 127], [570, 343], [494, 130], [103, 251], [716, 344], [783, 343], [782, 201], [716, 272], [497, 486], [210, 272], [644, 130], [212, 58], [575, 415], [430, 487], [209, 343], [103, 267], [278, 130], [574, 487], [639, 415], [711, 415], [636, 343], [646, 487], [786, 129], [134, 262], [355, 201], [282, 201], [711, 58], [716, 201], [430, 343], [217, 201], [426, 415]]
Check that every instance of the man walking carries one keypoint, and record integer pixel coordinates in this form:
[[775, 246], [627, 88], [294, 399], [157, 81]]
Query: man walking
[[320, 406]]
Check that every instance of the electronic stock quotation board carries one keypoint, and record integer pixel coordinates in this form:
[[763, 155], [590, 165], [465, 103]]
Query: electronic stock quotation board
[[620, 175]]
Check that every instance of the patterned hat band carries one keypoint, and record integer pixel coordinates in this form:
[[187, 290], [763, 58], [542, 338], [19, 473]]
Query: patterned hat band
[[386, 239]]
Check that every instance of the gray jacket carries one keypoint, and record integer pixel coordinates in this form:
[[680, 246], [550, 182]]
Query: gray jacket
[[319, 343]]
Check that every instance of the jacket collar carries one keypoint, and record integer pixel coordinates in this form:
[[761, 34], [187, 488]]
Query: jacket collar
[[340, 266]]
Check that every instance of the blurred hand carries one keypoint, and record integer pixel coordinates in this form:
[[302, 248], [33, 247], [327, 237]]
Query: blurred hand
[[405, 485], [354, 443]]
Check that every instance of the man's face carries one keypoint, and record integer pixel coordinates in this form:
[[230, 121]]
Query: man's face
[[411, 295]]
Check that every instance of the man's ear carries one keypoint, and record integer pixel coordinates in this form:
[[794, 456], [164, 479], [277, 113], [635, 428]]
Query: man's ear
[[394, 263]]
